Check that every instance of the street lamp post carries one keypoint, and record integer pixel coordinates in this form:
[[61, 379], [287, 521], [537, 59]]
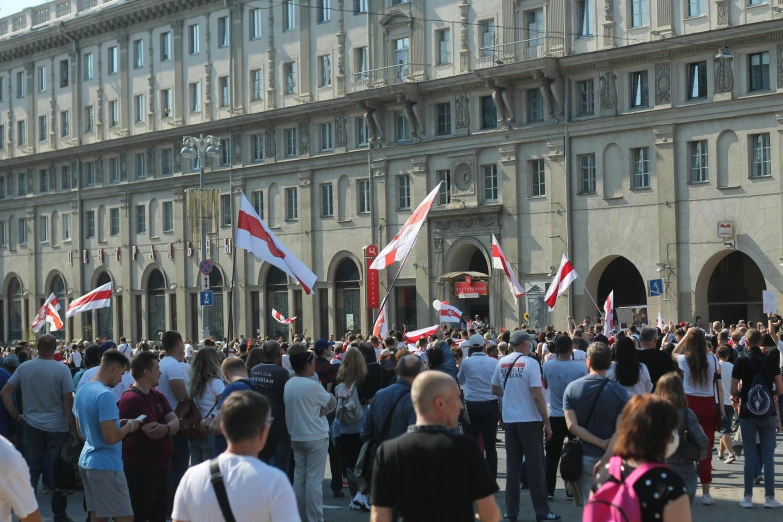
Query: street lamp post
[[200, 148]]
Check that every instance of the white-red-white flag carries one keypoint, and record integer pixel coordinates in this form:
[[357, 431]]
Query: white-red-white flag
[[404, 240], [415, 335], [98, 298], [254, 236], [500, 261], [660, 321], [48, 314], [563, 278], [381, 327], [280, 318], [449, 313], [609, 313]]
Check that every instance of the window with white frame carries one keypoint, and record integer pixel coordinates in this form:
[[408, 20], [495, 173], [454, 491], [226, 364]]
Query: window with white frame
[[638, 13], [362, 61], [141, 167], [166, 162], [537, 178], [225, 210], [534, 24], [359, 6], [42, 78], [225, 152], [325, 71], [289, 15], [363, 188], [490, 175], [535, 105], [165, 46], [698, 155], [21, 84], [326, 137], [66, 227], [289, 76], [112, 58], [225, 95], [44, 229], [697, 80], [761, 159], [587, 174], [696, 8], [65, 124], [42, 134], [89, 173], [195, 97], [639, 91], [443, 37], [114, 113], [3, 234], [641, 167], [402, 128], [404, 192], [586, 97], [257, 78], [258, 203], [89, 71], [114, 170], [402, 49], [486, 37], [89, 119], [114, 222], [256, 21], [584, 18], [292, 204], [138, 108], [21, 133], [290, 143], [444, 192], [224, 31], [257, 147], [361, 131], [22, 224], [165, 103], [193, 39], [443, 113], [2, 137], [141, 219], [89, 229], [324, 11], [138, 54], [327, 203]]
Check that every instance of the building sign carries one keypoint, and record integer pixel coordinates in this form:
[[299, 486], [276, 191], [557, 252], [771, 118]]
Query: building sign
[[470, 290], [725, 229], [373, 292]]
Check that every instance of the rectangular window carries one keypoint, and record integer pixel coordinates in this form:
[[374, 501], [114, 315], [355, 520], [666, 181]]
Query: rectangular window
[[225, 152], [324, 11], [403, 130], [401, 48], [43, 180], [695, 8], [138, 54], [193, 39], [64, 73], [89, 229], [138, 108], [638, 13], [255, 23], [444, 46], [89, 173], [225, 96], [326, 137], [258, 203], [360, 131], [42, 78], [289, 16], [404, 192], [257, 147], [534, 25], [327, 206], [289, 76], [114, 217], [489, 113], [65, 124], [195, 97], [584, 18], [141, 219], [639, 89], [165, 103], [89, 119], [44, 229], [362, 59], [42, 128], [257, 77], [290, 143], [2, 137], [22, 224], [89, 72], [487, 38], [114, 113], [66, 227], [225, 210], [443, 110], [165, 46], [587, 174], [3, 238], [141, 168], [224, 31], [363, 187], [535, 105], [168, 216], [114, 170], [759, 72], [586, 93], [21, 84], [325, 69], [2, 87], [697, 81], [490, 174], [761, 160], [444, 193], [699, 168], [641, 167], [166, 161], [537, 178], [359, 6], [65, 177], [291, 207], [2, 187], [21, 133]]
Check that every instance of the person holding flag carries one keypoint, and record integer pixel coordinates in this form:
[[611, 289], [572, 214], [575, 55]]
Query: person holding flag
[[49, 313]]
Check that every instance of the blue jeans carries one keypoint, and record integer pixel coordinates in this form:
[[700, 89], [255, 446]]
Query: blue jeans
[[765, 428], [201, 449], [42, 449]]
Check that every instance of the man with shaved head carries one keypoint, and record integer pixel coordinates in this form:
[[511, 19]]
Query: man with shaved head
[[453, 467]]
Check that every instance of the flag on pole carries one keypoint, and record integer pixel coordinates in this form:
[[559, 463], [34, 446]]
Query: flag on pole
[[381, 327], [48, 314], [98, 298], [500, 261], [563, 278], [609, 313], [449, 313], [406, 237], [660, 322], [280, 318], [415, 335], [254, 236]]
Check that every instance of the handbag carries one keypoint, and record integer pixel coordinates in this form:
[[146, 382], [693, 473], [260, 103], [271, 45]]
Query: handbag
[[571, 458], [688, 448]]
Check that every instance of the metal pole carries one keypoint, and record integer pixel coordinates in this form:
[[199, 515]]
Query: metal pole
[[204, 310]]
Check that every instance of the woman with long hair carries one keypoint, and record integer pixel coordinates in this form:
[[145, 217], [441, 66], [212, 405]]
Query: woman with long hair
[[627, 370], [347, 437], [700, 371], [670, 387], [205, 387], [647, 435]]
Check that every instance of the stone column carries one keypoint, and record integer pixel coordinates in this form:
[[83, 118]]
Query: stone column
[[304, 60], [99, 109], [666, 190], [184, 319], [237, 59], [241, 299], [179, 87], [32, 119], [52, 116], [340, 49], [510, 312], [508, 21], [129, 318], [305, 225], [151, 120], [77, 284], [10, 149], [125, 94], [464, 52], [31, 216], [555, 171]]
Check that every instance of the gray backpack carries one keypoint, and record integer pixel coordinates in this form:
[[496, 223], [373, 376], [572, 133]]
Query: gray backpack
[[349, 409]]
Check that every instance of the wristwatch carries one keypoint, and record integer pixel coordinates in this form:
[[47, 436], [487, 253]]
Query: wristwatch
[[168, 430]]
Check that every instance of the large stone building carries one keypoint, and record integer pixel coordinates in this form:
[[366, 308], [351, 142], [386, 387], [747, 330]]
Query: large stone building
[[618, 132]]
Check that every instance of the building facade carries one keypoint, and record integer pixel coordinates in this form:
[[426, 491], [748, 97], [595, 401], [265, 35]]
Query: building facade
[[641, 138]]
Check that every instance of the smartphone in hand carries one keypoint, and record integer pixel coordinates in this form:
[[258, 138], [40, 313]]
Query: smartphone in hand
[[141, 418]]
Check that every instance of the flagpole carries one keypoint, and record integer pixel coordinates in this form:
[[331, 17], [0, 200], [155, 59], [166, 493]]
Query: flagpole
[[394, 281], [591, 297]]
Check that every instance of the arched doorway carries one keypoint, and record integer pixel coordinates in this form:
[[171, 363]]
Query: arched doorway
[[735, 289], [468, 260], [103, 316], [58, 289], [276, 299], [156, 304], [630, 294], [15, 308], [347, 288], [216, 326]]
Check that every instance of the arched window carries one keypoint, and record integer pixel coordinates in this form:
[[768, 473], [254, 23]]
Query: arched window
[[103, 316], [156, 305], [58, 289], [276, 299], [15, 307], [216, 327], [347, 283]]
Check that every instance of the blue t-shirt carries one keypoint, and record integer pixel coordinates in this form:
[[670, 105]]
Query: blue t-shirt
[[558, 375], [219, 443], [94, 404]]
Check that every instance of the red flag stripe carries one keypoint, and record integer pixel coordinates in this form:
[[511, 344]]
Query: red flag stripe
[[89, 298]]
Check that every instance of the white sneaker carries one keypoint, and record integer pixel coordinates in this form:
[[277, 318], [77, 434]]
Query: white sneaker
[[772, 503], [747, 502], [730, 459], [707, 499]]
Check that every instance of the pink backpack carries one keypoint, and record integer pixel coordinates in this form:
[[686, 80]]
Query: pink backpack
[[617, 502]]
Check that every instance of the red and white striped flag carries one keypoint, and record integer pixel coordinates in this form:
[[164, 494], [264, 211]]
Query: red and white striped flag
[[48, 314], [254, 236], [280, 318], [563, 278], [412, 337], [381, 327], [609, 313], [449, 313], [500, 261], [98, 298], [404, 240]]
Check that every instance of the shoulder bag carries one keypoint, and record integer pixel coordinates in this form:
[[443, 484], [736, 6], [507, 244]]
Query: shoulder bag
[[688, 448], [571, 459], [216, 478], [716, 381]]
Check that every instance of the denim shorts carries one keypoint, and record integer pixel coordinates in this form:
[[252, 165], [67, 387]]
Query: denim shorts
[[725, 428]]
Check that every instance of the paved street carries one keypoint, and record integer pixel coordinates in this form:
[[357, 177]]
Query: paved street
[[727, 491]]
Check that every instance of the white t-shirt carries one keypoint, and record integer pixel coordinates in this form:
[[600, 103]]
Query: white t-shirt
[[304, 398], [15, 491], [726, 369], [518, 404], [124, 384], [207, 400], [126, 350], [642, 386], [579, 355], [76, 359], [256, 491], [285, 362], [189, 350], [171, 370], [705, 389]]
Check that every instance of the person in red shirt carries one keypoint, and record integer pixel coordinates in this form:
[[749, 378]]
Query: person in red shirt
[[146, 453]]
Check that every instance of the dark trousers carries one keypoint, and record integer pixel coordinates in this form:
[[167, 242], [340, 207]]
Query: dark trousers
[[554, 448], [484, 421], [335, 467], [42, 448], [180, 460], [349, 446], [525, 439], [149, 491]]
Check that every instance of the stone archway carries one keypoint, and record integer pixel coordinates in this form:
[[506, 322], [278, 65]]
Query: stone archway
[[465, 256], [618, 274], [729, 288]]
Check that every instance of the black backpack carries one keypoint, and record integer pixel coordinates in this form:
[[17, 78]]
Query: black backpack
[[759, 403]]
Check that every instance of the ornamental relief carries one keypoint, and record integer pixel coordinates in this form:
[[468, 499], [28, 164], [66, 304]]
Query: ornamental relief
[[480, 222], [724, 75], [663, 82], [608, 90]]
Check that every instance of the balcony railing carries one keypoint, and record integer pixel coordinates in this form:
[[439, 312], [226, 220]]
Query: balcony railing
[[518, 51], [391, 75]]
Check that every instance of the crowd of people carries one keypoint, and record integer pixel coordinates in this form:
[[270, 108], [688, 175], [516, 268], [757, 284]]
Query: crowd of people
[[244, 430]]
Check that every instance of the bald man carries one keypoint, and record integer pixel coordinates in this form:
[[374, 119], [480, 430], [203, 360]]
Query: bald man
[[452, 467]]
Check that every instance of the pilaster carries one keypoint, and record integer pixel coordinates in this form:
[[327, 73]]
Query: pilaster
[[32, 120], [305, 226], [464, 52], [181, 259], [129, 317], [722, 8], [238, 83], [52, 111], [179, 88], [419, 41], [340, 49], [208, 72], [270, 67], [125, 95], [78, 283], [508, 182], [420, 254], [555, 177], [304, 60], [151, 120], [608, 25], [666, 190], [31, 217]]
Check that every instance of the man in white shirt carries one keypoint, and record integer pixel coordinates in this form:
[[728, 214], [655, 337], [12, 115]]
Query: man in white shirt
[[475, 377], [125, 349], [76, 359], [15, 490], [254, 490], [190, 353]]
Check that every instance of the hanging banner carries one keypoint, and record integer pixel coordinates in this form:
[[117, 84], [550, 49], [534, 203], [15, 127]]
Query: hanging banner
[[373, 292], [469, 288]]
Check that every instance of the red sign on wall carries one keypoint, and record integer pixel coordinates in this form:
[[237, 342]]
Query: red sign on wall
[[373, 292], [469, 287]]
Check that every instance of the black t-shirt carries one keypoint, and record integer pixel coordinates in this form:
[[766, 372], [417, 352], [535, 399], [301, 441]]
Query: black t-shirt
[[656, 489], [431, 475], [745, 369], [270, 380], [658, 363], [601, 338]]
